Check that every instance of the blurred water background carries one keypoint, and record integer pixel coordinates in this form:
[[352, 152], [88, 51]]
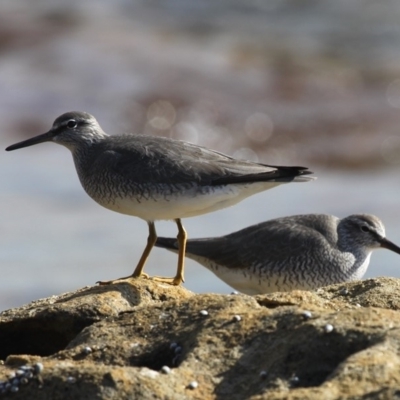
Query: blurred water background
[[312, 82]]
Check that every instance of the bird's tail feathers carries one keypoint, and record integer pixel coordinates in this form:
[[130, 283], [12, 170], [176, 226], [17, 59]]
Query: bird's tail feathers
[[281, 174], [167, 243], [302, 178]]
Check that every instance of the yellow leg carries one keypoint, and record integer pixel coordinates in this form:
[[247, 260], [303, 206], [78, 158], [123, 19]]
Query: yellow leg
[[151, 240], [182, 236], [138, 272]]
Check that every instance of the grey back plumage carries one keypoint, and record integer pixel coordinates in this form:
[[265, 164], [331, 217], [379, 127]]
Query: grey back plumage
[[143, 158]]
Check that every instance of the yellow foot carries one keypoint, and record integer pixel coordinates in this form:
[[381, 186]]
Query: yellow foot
[[177, 280], [143, 275]]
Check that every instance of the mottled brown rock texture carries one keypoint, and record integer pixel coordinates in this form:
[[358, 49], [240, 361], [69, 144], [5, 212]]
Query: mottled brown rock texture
[[116, 342]]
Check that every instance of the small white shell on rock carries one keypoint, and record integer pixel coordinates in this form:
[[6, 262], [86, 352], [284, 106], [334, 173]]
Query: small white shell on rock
[[328, 328], [237, 318], [306, 314], [166, 370], [204, 312], [193, 385]]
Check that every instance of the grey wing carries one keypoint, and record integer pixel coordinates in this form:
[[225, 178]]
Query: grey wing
[[147, 158], [215, 168], [270, 245]]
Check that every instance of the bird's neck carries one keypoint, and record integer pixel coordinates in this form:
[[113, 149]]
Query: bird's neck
[[357, 255], [357, 269]]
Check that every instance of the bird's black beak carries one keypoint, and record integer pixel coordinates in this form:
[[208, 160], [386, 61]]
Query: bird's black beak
[[45, 137], [387, 244]]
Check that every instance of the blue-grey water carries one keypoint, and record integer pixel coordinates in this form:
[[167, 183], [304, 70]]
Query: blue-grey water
[[311, 83]]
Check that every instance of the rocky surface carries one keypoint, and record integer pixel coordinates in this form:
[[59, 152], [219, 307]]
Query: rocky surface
[[145, 340]]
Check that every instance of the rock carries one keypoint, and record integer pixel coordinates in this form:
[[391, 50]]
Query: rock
[[45, 326], [115, 342]]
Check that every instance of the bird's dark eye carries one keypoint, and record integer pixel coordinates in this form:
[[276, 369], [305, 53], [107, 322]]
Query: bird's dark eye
[[71, 124], [365, 228]]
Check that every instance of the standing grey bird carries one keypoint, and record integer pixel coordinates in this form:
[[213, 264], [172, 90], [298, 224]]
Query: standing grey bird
[[298, 252], [157, 178]]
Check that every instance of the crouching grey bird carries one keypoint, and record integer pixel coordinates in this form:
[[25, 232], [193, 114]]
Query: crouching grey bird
[[298, 252]]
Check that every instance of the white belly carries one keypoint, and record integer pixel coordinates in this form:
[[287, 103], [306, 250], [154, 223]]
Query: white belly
[[240, 278], [189, 203]]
